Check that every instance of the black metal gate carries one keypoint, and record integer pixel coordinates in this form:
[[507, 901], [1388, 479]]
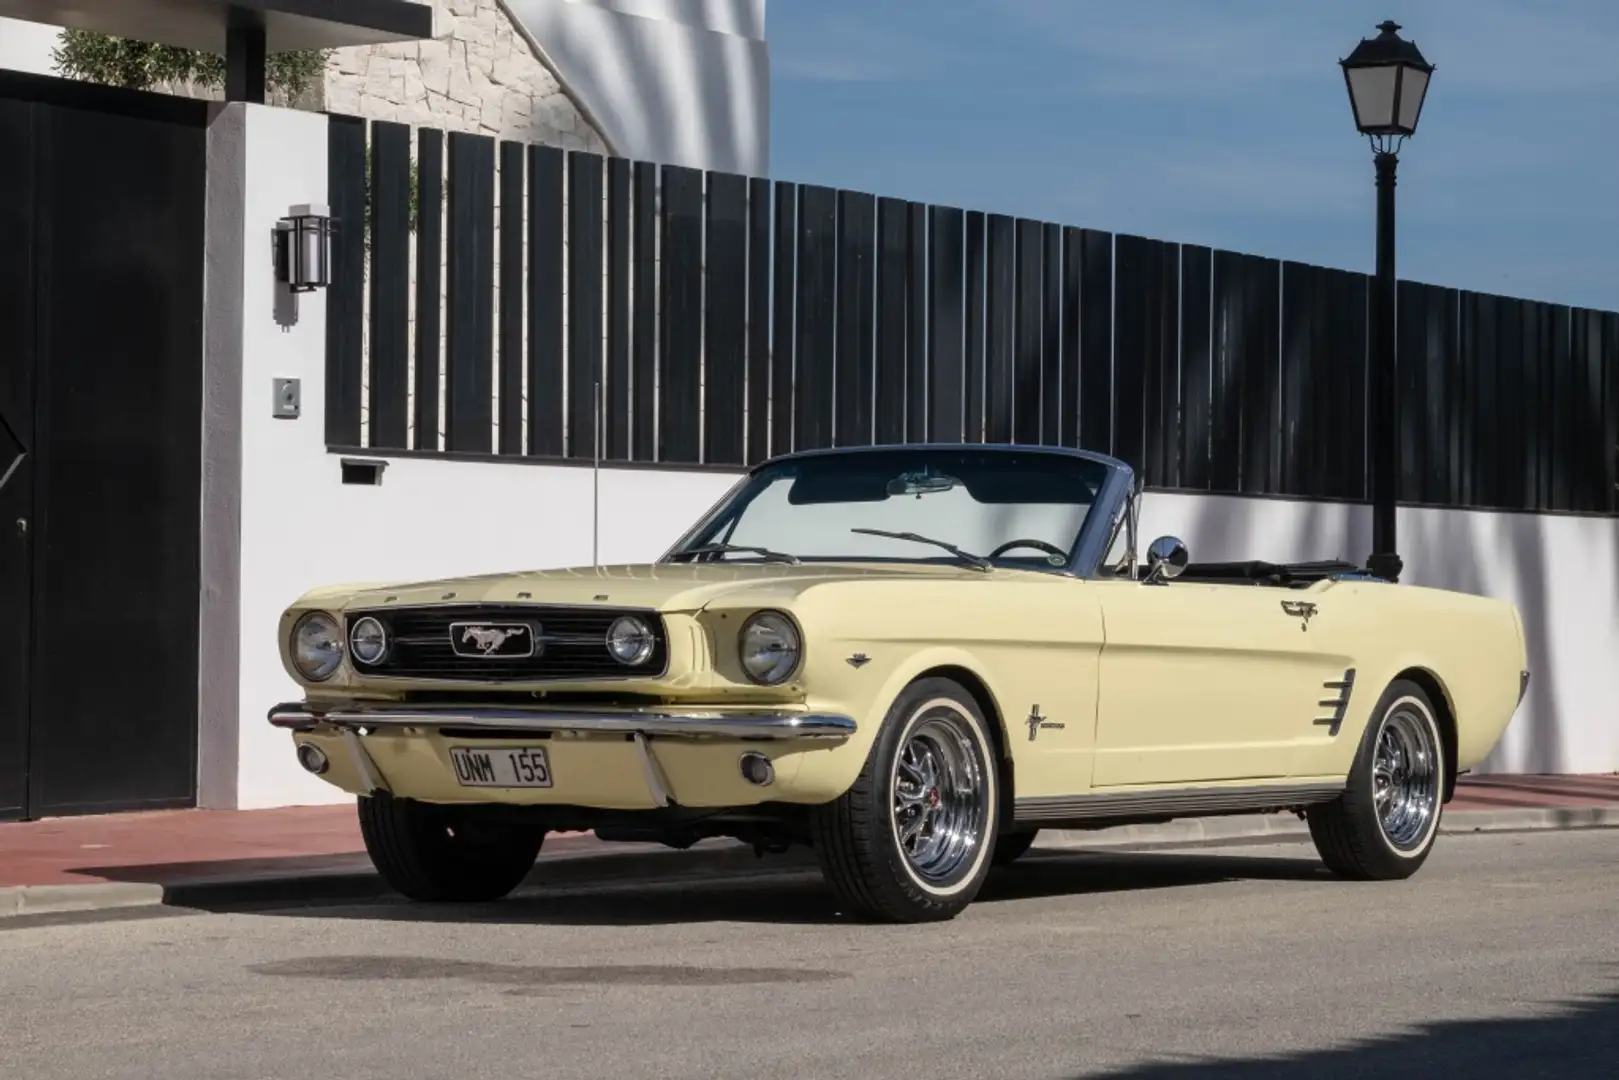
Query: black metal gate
[[101, 292], [16, 460]]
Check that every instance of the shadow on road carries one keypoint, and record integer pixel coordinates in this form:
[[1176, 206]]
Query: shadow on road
[[1579, 1041], [788, 895]]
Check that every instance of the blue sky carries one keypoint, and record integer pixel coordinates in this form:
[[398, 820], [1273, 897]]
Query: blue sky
[[1224, 122]]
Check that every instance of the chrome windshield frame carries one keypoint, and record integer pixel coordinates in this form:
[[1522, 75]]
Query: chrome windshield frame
[[1096, 536]]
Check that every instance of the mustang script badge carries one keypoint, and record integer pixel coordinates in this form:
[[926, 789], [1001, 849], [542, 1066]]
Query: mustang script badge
[[502, 640]]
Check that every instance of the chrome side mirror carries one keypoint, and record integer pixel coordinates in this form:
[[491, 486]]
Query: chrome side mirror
[[1166, 558]]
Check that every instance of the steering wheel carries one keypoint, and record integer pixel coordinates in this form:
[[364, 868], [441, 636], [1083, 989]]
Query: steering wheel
[[1049, 549]]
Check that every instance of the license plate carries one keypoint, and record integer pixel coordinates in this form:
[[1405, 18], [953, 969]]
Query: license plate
[[506, 766]]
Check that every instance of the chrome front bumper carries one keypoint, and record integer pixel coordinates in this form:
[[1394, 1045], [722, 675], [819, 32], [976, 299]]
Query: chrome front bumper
[[305, 716]]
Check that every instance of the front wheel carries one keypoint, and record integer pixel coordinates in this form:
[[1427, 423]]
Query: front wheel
[[439, 853], [910, 840], [1384, 824]]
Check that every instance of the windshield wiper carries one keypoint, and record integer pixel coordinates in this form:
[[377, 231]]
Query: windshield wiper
[[975, 560], [765, 553]]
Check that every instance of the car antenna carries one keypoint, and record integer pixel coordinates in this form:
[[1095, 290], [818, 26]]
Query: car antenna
[[595, 478]]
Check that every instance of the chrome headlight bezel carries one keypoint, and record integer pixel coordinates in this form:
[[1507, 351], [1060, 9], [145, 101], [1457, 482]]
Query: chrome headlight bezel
[[294, 650], [787, 630], [644, 630], [382, 635]]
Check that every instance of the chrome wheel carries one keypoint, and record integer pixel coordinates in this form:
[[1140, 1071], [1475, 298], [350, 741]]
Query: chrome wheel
[[1405, 776], [939, 787], [910, 840]]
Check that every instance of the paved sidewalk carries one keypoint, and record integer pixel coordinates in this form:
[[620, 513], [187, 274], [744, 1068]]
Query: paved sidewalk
[[177, 845], [1482, 804], [200, 856], [1502, 792]]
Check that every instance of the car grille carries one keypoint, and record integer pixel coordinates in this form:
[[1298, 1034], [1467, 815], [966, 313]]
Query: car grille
[[571, 643]]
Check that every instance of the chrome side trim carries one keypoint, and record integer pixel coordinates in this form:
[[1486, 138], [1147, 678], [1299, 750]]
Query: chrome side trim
[[1179, 802], [369, 773], [730, 725]]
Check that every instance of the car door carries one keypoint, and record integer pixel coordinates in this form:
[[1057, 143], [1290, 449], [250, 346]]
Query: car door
[[1038, 639], [1204, 683]]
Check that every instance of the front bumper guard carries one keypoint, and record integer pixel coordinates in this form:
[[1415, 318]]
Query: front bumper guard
[[354, 720]]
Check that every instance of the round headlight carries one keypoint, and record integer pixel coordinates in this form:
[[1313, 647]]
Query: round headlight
[[769, 647], [317, 646], [630, 640], [369, 641]]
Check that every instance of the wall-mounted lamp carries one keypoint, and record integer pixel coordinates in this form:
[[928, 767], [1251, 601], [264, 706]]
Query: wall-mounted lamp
[[303, 248]]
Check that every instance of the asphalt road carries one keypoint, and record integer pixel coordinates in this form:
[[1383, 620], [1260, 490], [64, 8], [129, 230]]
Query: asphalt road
[[1501, 959]]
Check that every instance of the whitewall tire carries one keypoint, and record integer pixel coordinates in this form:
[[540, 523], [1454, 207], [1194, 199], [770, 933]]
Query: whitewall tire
[[910, 841], [1384, 825]]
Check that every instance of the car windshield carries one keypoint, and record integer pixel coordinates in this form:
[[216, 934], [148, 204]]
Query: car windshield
[[1015, 508]]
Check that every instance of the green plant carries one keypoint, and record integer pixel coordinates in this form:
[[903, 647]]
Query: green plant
[[140, 65]]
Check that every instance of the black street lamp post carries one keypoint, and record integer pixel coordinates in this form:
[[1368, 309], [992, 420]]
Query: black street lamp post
[[1387, 79]]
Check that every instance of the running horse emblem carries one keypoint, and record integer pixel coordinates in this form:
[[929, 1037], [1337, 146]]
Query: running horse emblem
[[488, 639]]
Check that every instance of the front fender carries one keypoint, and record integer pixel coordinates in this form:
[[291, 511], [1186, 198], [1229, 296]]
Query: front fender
[[868, 695]]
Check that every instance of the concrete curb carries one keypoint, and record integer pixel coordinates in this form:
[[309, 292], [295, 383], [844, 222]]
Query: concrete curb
[[1285, 827], [607, 865], [1555, 818], [635, 862], [57, 899], [650, 862]]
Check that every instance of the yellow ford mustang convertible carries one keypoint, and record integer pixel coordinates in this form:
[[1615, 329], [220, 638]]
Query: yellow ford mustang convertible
[[911, 658]]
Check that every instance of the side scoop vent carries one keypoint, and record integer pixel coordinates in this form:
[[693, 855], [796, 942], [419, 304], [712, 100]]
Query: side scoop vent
[[1340, 704]]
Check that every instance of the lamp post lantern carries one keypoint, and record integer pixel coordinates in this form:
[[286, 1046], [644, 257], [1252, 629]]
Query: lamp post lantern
[[1388, 80]]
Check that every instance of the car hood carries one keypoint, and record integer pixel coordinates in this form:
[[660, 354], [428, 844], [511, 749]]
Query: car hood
[[665, 586]]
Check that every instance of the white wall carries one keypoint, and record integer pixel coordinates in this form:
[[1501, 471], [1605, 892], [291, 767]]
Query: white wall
[[27, 46], [1561, 570], [262, 162], [683, 82]]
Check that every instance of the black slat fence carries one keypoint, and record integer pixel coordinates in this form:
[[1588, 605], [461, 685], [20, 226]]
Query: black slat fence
[[510, 301]]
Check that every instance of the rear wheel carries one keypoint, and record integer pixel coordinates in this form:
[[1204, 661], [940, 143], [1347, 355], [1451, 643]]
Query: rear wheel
[[1384, 824], [910, 840], [437, 853]]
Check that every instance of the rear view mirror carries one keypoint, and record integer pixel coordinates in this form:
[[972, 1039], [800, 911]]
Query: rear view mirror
[[920, 483]]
